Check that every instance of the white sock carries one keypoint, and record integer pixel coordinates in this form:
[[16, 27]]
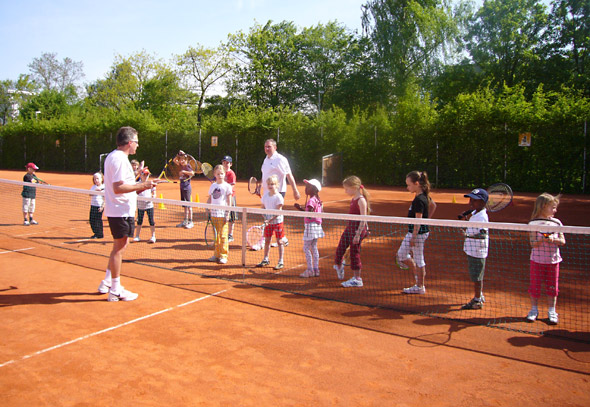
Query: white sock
[[551, 309], [116, 285], [107, 277]]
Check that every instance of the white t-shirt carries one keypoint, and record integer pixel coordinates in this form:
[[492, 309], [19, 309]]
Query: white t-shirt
[[273, 202], [477, 247], [97, 200], [147, 193], [276, 165], [219, 194], [118, 168]]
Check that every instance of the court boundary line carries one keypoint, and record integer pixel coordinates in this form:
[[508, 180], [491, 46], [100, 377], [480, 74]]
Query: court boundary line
[[17, 250], [81, 338]]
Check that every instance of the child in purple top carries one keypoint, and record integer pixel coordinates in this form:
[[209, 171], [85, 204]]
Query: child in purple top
[[313, 228]]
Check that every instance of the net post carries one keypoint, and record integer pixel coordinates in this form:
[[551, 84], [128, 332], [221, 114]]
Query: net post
[[244, 237]]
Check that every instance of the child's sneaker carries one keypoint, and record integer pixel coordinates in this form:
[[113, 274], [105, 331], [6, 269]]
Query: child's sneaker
[[34, 222], [103, 288], [279, 266], [532, 315], [136, 239], [26, 223], [213, 259], [223, 260], [415, 289], [473, 304], [189, 225], [339, 271], [124, 295], [152, 239], [230, 238], [307, 274], [182, 224], [353, 282], [263, 263], [553, 318]]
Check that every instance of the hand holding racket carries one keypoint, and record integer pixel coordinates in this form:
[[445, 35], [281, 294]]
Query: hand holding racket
[[39, 180], [552, 237], [254, 186]]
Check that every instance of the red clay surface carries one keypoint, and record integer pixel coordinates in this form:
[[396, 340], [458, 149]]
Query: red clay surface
[[191, 341]]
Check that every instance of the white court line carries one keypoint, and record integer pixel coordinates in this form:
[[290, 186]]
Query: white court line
[[61, 345], [17, 250]]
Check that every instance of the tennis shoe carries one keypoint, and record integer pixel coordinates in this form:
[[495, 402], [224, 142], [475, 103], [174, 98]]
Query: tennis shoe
[[124, 295], [223, 260], [415, 289], [103, 288], [353, 282], [339, 271], [136, 239], [553, 318], [532, 315], [230, 238], [279, 266], [34, 222], [473, 304], [307, 274], [263, 263], [189, 225], [182, 224], [152, 239], [26, 223], [285, 241], [213, 259]]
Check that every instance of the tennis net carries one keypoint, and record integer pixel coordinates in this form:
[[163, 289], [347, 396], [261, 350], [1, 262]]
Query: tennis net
[[63, 215]]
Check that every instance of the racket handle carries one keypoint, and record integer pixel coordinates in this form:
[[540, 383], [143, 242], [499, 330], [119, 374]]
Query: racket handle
[[464, 214]]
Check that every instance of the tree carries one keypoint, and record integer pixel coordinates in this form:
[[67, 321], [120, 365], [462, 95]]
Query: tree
[[14, 94], [408, 35], [52, 74], [505, 38], [200, 68]]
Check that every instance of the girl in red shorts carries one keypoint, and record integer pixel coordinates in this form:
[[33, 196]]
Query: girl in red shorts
[[545, 258]]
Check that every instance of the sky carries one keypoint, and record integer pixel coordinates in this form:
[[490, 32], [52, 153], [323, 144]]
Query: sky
[[94, 32]]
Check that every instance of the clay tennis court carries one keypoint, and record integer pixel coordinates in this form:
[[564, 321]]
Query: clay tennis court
[[192, 340]]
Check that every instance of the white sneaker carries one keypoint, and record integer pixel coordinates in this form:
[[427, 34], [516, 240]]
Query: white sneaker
[[136, 239], [230, 238], [213, 259], [103, 288], [532, 315], [34, 222], [181, 224], [26, 223], [124, 295], [553, 317], [223, 260], [415, 290], [152, 239], [353, 282], [189, 225], [339, 271]]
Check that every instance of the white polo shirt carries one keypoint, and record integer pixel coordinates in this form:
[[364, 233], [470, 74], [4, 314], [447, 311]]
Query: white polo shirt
[[477, 247], [277, 165], [118, 168]]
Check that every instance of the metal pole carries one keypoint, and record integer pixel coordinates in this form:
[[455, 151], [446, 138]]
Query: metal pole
[[505, 151], [85, 151], [166, 145], [236, 162], [199, 144], [278, 134], [436, 176], [584, 168]]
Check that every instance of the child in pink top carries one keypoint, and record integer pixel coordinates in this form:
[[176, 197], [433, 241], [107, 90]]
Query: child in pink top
[[313, 228], [545, 258]]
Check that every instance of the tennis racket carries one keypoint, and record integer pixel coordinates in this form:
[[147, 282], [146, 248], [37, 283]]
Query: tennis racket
[[173, 168], [499, 197], [545, 222], [255, 237], [210, 233], [254, 186], [40, 180], [206, 169]]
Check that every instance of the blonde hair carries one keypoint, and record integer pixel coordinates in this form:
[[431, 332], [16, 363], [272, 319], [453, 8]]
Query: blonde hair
[[273, 179], [134, 162], [218, 167], [355, 182], [542, 201], [98, 174]]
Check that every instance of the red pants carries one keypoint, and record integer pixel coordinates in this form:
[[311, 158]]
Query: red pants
[[547, 274], [355, 249]]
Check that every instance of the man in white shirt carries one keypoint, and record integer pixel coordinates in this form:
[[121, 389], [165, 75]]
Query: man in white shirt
[[277, 164], [120, 204]]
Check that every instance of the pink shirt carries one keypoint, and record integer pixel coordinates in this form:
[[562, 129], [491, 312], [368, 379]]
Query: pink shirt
[[314, 205]]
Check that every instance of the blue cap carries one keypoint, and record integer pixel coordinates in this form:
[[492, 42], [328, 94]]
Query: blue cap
[[478, 193], [226, 158]]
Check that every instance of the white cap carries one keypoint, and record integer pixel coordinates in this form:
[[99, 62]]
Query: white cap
[[315, 183]]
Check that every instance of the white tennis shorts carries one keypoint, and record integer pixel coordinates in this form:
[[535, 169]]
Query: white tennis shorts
[[416, 252], [28, 205]]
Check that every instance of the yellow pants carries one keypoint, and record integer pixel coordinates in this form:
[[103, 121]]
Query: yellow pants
[[221, 242]]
